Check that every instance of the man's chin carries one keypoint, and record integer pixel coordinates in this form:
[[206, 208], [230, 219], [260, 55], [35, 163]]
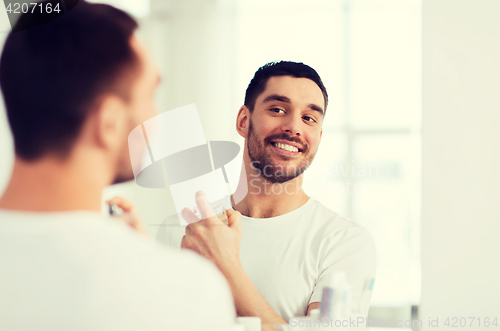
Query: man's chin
[[278, 180], [279, 175]]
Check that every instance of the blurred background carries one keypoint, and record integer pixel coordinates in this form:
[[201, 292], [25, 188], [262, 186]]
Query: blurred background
[[378, 72]]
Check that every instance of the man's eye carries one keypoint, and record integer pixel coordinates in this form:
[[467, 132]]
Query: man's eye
[[309, 119], [277, 110]]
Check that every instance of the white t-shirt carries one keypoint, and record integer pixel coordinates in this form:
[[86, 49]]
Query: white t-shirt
[[82, 271], [291, 257]]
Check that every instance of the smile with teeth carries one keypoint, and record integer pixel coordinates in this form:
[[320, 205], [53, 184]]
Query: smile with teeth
[[286, 147]]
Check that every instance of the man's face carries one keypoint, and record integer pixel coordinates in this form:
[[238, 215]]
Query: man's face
[[140, 107], [285, 128]]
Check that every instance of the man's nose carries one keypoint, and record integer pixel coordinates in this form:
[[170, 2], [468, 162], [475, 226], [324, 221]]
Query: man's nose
[[292, 125]]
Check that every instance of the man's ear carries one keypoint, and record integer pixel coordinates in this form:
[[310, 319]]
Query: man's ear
[[111, 122], [243, 121]]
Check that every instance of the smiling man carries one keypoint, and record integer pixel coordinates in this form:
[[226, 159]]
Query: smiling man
[[291, 245]]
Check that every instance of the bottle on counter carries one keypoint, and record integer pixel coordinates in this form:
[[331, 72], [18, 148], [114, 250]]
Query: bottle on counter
[[336, 301]]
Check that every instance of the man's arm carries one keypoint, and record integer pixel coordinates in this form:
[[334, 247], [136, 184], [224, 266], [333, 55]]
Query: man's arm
[[221, 244], [248, 300]]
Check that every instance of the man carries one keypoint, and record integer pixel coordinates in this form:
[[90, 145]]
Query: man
[[291, 245], [74, 88]]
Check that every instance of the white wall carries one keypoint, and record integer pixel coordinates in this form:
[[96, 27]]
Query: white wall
[[461, 161]]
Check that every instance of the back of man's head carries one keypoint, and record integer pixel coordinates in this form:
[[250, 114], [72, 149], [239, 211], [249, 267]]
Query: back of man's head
[[52, 75]]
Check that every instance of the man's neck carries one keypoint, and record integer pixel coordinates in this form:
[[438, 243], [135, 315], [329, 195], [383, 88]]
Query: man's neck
[[54, 185], [262, 199]]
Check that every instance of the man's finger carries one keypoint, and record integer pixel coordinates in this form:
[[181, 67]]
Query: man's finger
[[189, 215], [233, 219], [124, 204], [203, 205]]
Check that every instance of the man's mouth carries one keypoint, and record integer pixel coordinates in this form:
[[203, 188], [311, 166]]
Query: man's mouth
[[286, 149]]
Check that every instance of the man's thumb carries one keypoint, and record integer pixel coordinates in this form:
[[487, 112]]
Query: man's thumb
[[233, 218]]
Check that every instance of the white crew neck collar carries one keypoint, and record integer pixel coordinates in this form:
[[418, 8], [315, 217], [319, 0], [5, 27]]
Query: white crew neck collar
[[309, 202]]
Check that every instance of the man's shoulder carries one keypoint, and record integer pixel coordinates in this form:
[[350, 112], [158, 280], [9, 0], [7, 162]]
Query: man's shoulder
[[346, 237], [330, 218], [336, 229], [120, 270]]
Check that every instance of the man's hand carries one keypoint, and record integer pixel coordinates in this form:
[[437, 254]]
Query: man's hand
[[130, 216], [220, 243], [210, 237]]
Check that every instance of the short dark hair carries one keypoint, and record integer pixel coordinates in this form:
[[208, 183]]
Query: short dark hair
[[282, 68], [51, 75]]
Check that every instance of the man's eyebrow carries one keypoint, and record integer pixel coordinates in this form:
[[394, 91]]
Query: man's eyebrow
[[276, 97], [282, 98], [316, 108]]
